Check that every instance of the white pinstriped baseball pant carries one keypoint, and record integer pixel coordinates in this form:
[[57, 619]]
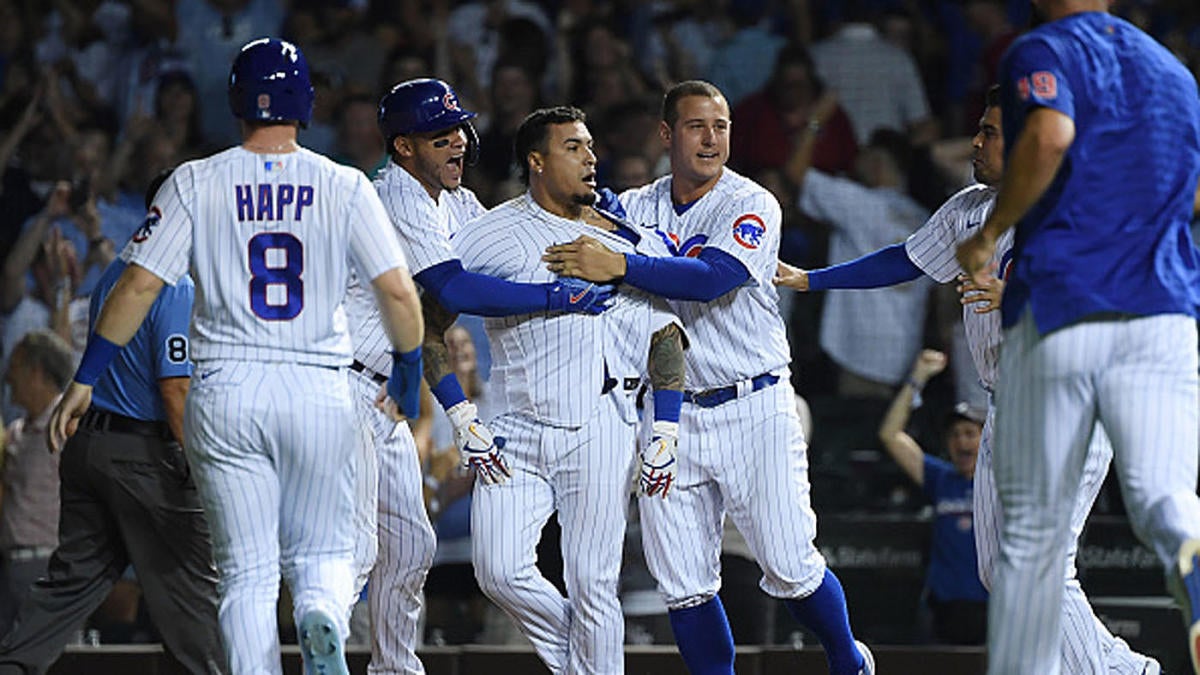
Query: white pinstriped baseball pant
[[585, 474], [272, 446], [1138, 377]]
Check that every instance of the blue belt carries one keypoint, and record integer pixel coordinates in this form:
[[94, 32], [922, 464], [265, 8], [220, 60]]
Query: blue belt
[[711, 398]]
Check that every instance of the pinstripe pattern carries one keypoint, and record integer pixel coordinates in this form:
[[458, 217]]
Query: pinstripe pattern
[[1138, 377], [277, 495], [200, 228], [932, 247], [569, 448], [723, 350], [736, 337], [585, 474], [406, 538], [763, 486], [530, 352], [366, 488]]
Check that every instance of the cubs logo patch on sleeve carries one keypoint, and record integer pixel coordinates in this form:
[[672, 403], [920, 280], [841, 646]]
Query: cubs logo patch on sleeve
[[147, 228], [748, 231]]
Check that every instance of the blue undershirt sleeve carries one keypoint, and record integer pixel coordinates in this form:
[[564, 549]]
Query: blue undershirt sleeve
[[704, 278], [885, 267], [460, 291]]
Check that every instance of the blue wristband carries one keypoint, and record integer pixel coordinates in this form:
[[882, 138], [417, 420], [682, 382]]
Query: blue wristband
[[98, 354], [448, 392], [667, 403], [404, 386]]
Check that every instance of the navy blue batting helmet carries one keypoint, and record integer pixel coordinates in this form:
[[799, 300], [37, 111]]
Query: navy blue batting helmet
[[422, 106], [269, 83]]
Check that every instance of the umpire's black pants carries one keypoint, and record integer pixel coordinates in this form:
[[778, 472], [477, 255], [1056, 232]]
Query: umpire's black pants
[[127, 497]]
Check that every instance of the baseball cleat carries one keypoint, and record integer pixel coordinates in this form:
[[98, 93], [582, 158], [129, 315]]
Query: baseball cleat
[[321, 645], [868, 659], [1187, 594]]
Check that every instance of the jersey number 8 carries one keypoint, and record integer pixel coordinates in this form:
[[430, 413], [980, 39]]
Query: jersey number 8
[[276, 262]]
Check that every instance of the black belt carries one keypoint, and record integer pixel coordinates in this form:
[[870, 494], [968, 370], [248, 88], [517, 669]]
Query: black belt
[[628, 384], [711, 398], [360, 367], [99, 420]]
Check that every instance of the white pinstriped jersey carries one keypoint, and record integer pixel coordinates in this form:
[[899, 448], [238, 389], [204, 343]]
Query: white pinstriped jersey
[[932, 249], [424, 226], [551, 366], [740, 334], [269, 240]]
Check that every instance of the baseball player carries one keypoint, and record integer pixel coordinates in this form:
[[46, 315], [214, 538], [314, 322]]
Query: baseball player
[[1091, 649], [269, 231], [429, 139], [127, 497], [743, 452], [567, 382], [1102, 143]]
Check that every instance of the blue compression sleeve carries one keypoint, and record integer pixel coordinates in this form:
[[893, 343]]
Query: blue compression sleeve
[[461, 291], [667, 404], [97, 356], [885, 267], [448, 392], [704, 278]]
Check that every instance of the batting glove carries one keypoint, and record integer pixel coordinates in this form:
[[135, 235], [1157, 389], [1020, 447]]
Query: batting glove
[[404, 386], [658, 461], [479, 449], [568, 294]]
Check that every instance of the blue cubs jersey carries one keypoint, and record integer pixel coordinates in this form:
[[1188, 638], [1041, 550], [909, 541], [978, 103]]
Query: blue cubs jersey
[[953, 564], [158, 350], [1111, 232]]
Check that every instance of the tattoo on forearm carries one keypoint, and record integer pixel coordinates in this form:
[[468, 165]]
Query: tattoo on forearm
[[666, 365], [434, 355]]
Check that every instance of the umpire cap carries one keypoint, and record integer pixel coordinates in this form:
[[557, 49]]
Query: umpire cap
[[422, 106], [269, 82]]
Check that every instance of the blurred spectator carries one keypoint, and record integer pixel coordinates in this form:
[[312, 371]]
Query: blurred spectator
[[989, 20], [22, 166], [629, 171], [766, 122], [601, 73], [673, 40], [630, 128], [476, 37], [872, 335], [878, 84], [212, 33], [514, 95], [177, 110], [742, 62], [359, 142], [321, 133], [29, 504], [954, 593]]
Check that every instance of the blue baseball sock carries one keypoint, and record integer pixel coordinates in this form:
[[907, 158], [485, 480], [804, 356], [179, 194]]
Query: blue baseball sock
[[824, 613], [702, 633]]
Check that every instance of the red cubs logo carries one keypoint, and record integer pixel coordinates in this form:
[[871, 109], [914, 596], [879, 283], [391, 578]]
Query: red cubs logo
[[147, 228], [450, 101], [264, 101], [748, 231]]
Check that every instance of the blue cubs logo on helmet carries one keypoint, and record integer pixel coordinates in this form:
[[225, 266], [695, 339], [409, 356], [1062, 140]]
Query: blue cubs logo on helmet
[[147, 228], [748, 231]]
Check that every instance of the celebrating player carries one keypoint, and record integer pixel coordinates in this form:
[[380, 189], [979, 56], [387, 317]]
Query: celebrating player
[[1102, 138], [569, 382], [429, 139], [738, 365], [930, 250], [269, 230]]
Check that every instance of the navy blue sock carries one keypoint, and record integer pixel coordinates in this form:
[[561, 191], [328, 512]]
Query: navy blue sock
[[702, 633], [824, 613]]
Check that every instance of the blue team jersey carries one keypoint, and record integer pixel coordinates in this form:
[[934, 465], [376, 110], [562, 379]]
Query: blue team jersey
[[1111, 233], [158, 350], [953, 564]]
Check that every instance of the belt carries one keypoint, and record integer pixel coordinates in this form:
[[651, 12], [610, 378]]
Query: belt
[[627, 384], [99, 420], [711, 398], [360, 367], [28, 553]]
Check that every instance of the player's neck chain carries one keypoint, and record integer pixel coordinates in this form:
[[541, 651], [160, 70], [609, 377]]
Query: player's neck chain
[[263, 149]]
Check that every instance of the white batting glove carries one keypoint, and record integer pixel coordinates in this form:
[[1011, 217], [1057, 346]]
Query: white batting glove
[[479, 449], [658, 461]]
